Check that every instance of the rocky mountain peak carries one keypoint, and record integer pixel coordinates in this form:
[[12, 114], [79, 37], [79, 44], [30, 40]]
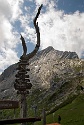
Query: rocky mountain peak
[[44, 66], [50, 52]]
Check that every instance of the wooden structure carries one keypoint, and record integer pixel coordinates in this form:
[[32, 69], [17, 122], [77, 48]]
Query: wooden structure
[[8, 104], [19, 120], [22, 83]]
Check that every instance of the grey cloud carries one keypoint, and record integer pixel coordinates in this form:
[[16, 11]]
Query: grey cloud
[[5, 9]]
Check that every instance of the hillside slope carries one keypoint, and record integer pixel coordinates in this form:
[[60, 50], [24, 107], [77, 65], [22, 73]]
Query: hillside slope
[[71, 114], [56, 77]]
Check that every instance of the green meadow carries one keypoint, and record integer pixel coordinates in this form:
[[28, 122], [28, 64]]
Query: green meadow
[[71, 114]]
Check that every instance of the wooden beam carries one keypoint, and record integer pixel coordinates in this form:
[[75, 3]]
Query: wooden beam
[[19, 120], [8, 104]]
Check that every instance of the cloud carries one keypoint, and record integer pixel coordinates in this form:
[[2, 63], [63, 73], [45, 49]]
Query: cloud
[[9, 13], [45, 2], [15, 8], [62, 31], [5, 9], [8, 56]]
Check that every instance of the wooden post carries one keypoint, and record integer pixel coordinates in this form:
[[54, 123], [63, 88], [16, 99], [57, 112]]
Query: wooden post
[[23, 110], [44, 117], [14, 113], [22, 73]]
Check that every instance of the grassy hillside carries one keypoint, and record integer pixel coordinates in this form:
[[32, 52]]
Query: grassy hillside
[[71, 114]]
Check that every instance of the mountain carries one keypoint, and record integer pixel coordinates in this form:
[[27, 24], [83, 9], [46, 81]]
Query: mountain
[[56, 77]]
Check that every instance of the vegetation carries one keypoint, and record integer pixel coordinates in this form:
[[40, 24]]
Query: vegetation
[[71, 114]]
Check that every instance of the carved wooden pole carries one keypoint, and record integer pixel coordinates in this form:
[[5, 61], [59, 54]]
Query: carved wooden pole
[[44, 117], [22, 82]]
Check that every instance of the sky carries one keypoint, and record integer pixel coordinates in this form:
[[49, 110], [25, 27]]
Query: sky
[[61, 25]]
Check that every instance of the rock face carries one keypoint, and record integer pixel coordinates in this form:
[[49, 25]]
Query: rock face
[[53, 75], [7, 79], [56, 53], [48, 63]]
